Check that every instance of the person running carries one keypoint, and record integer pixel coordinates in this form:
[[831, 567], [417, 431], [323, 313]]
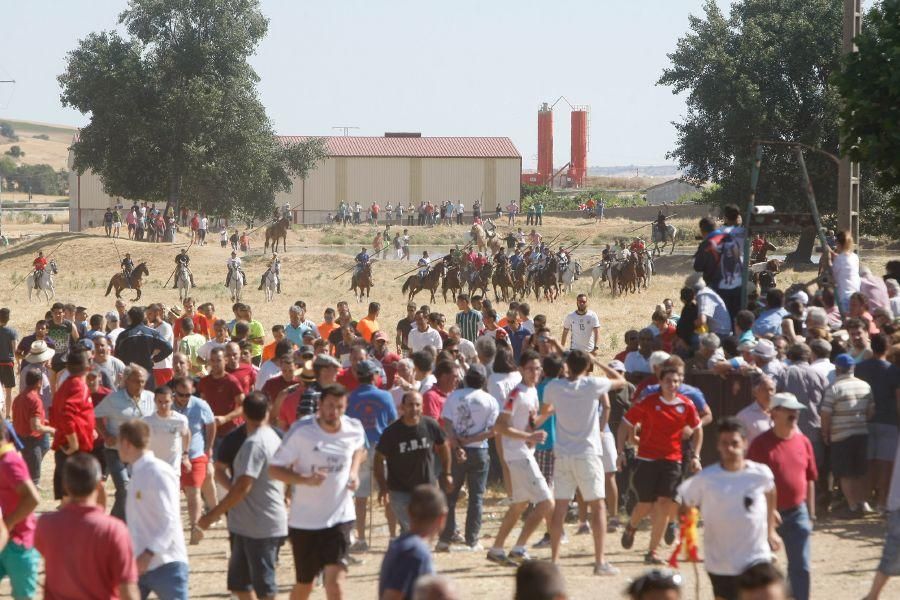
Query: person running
[[516, 425], [583, 325], [19, 498], [202, 427], [320, 458]]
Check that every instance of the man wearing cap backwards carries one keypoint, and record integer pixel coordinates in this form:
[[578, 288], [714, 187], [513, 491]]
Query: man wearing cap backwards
[[375, 409], [845, 408], [789, 454]]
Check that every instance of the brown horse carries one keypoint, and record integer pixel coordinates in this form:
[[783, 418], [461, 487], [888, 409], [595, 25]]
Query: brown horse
[[519, 281], [503, 279], [547, 279], [626, 278], [362, 282], [451, 283], [415, 284], [119, 281], [275, 232], [481, 279]]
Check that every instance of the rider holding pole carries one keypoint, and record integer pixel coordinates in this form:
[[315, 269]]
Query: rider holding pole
[[234, 266], [362, 259], [127, 267], [40, 264], [183, 260]]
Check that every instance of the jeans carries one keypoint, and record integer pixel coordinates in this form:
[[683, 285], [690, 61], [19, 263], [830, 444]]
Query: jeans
[[168, 582], [400, 506], [33, 453], [473, 472], [795, 531], [119, 474]]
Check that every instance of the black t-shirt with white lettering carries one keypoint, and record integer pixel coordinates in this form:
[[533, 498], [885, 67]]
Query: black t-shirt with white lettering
[[409, 450]]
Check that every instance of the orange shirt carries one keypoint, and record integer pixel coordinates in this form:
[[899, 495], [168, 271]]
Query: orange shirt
[[366, 328], [201, 326], [325, 329], [268, 352]]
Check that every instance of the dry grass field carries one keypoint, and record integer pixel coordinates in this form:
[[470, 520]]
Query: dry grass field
[[844, 553], [53, 151]]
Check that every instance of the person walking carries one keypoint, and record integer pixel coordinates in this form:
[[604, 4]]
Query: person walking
[[30, 423], [72, 417], [320, 458], [468, 319], [202, 428], [737, 500], [18, 499], [153, 514], [170, 436], [789, 454], [257, 517], [582, 325], [141, 345]]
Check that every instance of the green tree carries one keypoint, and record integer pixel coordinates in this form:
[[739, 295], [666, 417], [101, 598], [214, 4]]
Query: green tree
[[174, 109], [15, 152], [761, 73], [7, 131], [869, 85]]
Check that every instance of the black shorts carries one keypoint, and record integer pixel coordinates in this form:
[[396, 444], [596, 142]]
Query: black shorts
[[656, 479], [7, 376], [724, 586], [849, 458], [314, 549]]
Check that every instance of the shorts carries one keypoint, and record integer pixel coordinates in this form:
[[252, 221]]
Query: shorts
[[609, 452], [196, 475], [849, 458], [528, 485], [890, 555], [252, 565], [724, 586], [882, 442], [545, 460], [7, 376], [20, 564], [579, 472], [656, 479], [315, 549]]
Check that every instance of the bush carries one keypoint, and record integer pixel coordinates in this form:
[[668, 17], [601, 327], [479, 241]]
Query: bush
[[7, 131], [41, 136], [15, 152]]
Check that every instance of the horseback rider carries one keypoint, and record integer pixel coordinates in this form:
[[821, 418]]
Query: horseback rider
[[661, 224], [516, 259], [275, 268], [183, 260], [39, 263], [501, 260], [637, 246], [606, 255], [362, 259], [234, 265], [422, 263], [127, 267]]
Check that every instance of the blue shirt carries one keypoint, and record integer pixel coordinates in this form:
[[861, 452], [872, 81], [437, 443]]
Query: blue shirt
[[693, 394], [374, 408], [119, 407], [516, 338], [199, 415], [769, 322], [550, 424], [407, 558]]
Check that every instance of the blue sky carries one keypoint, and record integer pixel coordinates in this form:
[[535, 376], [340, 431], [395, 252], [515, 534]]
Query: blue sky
[[465, 67]]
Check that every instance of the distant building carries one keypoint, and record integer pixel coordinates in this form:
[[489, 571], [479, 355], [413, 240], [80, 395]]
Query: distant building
[[396, 168], [668, 192]]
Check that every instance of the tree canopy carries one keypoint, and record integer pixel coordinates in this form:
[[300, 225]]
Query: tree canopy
[[869, 85], [761, 73], [174, 111]]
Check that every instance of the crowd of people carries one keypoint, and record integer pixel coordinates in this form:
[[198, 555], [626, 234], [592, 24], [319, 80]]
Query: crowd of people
[[292, 436]]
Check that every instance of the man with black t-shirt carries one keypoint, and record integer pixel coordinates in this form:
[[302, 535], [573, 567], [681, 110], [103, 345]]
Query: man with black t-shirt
[[403, 327], [408, 447]]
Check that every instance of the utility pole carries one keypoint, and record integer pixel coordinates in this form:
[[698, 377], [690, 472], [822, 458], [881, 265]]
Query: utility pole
[[848, 171]]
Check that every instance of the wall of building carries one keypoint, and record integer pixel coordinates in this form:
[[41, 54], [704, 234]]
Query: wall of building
[[669, 192], [87, 200]]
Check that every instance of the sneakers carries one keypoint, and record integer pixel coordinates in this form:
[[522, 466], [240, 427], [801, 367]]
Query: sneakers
[[359, 546], [628, 536], [605, 569], [544, 542], [612, 525], [652, 559], [476, 547], [583, 529], [519, 555], [669, 536], [497, 555], [442, 547]]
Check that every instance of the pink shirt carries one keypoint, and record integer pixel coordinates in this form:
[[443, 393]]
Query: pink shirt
[[13, 473]]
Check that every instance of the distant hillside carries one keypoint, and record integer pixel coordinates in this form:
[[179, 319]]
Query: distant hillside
[[640, 170], [41, 142]]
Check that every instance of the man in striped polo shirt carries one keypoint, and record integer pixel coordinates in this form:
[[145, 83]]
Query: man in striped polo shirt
[[468, 319], [845, 407]]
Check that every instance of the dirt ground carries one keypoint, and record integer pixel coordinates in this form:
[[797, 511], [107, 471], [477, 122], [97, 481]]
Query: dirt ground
[[844, 553]]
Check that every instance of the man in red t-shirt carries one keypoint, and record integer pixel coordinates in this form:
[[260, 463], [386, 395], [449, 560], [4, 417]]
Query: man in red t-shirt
[[87, 553], [790, 455], [72, 416], [223, 393], [381, 352], [663, 418], [30, 422], [434, 399], [201, 323], [347, 377], [243, 372]]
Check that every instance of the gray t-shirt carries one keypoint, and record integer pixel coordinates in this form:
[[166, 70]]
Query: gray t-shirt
[[8, 338], [261, 514], [114, 369]]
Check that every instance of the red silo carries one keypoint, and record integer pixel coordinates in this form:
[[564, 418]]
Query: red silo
[[578, 167], [545, 143]]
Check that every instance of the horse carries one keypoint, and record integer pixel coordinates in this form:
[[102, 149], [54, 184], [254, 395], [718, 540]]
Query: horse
[[45, 281], [270, 284], [519, 280], [452, 282], [415, 284], [547, 279], [182, 281], [627, 277], [568, 275], [503, 279], [277, 231], [481, 279], [362, 282], [644, 269], [599, 272], [235, 284], [658, 236], [120, 282], [479, 237]]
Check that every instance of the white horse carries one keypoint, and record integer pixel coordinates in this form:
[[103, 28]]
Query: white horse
[[44, 283], [658, 237], [270, 284], [599, 272], [648, 268], [235, 284], [182, 282], [568, 275]]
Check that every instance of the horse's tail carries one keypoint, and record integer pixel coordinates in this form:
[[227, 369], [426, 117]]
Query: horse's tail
[[110, 286], [407, 284]]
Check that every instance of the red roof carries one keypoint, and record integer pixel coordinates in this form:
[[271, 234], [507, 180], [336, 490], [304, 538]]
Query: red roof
[[418, 147]]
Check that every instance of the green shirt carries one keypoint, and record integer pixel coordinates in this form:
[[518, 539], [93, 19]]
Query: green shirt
[[539, 207], [189, 346], [256, 331]]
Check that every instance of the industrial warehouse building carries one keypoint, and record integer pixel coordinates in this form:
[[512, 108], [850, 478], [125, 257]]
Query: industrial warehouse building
[[396, 168]]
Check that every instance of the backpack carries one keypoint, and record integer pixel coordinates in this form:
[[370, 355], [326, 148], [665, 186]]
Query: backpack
[[727, 249]]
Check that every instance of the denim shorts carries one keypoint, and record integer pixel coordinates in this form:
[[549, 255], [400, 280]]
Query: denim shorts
[[890, 556]]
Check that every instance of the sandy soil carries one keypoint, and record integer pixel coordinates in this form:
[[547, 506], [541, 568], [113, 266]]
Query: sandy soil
[[844, 553]]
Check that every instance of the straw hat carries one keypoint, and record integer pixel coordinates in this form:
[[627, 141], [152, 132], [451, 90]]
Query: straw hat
[[39, 352]]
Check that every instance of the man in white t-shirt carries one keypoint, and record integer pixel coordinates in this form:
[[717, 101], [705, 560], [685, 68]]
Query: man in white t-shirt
[[578, 446], [423, 335], [170, 436], [320, 457], [162, 370], [736, 498], [583, 325], [519, 436]]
